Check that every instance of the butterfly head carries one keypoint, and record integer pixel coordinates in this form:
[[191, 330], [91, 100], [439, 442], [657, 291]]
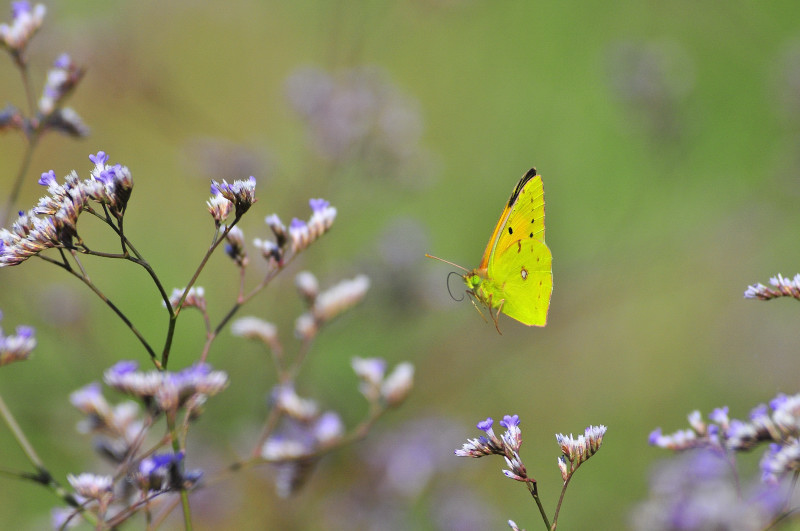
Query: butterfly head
[[473, 279]]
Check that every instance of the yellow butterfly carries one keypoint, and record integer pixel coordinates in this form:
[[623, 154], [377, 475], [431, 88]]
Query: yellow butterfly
[[515, 276]]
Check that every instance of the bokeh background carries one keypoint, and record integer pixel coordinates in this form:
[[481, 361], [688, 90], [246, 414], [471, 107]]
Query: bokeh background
[[667, 134]]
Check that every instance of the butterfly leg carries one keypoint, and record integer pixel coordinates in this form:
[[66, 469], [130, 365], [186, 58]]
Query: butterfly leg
[[472, 300], [496, 315]]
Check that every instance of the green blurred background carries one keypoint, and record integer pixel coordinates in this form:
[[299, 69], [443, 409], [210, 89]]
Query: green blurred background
[[667, 134]]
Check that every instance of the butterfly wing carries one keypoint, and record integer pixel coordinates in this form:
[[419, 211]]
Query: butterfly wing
[[529, 189], [519, 263]]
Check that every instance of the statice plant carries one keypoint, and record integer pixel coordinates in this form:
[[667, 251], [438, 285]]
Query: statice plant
[[143, 436], [704, 488], [574, 452]]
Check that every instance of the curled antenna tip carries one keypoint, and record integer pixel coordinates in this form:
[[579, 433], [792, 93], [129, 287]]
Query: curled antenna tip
[[448, 286]]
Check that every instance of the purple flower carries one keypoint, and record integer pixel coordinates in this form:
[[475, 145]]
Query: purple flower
[[759, 413], [100, 159], [719, 415], [26, 22], [17, 347], [778, 401], [318, 205], [486, 425], [124, 367], [242, 193], [61, 81], [20, 8], [48, 178], [328, 428], [157, 472], [655, 437], [780, 460], [695, 491], [166, 390], [509, 421], [87, 398], [63, 61], [159, 462]]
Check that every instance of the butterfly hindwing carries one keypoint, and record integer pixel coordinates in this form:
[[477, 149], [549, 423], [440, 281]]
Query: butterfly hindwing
[[525, 278]]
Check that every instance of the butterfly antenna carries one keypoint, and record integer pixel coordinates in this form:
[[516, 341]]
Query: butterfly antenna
[[448, 287], [446, 262]]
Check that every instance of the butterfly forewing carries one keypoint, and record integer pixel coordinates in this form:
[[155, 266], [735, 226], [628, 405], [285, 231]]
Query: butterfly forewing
[[528, 187], [526, 218]]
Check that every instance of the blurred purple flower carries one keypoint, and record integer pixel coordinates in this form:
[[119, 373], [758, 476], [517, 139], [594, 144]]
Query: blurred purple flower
[[359, 115], [696, 491]]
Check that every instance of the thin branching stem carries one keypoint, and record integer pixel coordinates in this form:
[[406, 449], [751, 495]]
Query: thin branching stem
[[31, 143], [31, 138], [42, 475], [561, 497], [85, 279], [176, 448], [173, 319], [533, 488], [19, 60], [19, 435]]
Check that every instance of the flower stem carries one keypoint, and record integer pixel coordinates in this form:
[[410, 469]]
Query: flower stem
[[85, 279], [534, 490], [561, 497], [19, 435], [176, 447], [174, 315], [23, 170]]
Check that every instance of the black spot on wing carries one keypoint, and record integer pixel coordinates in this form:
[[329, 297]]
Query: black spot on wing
[[510, 230]]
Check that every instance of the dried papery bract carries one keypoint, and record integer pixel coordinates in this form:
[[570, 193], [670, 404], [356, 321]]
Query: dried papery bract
[[61, 81], [255, 328], [195, 298], [577, 450], [782, 287], [26, 21], [235, 247], [108, 186], [18, 346], [241, 193]]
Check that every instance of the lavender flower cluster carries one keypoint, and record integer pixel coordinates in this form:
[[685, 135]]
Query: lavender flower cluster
[[709, 493], [574, 452], [50, 114], [16, 347], [776, 424], [53, 222], [359, 116], [781, 287], [297, 433]]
